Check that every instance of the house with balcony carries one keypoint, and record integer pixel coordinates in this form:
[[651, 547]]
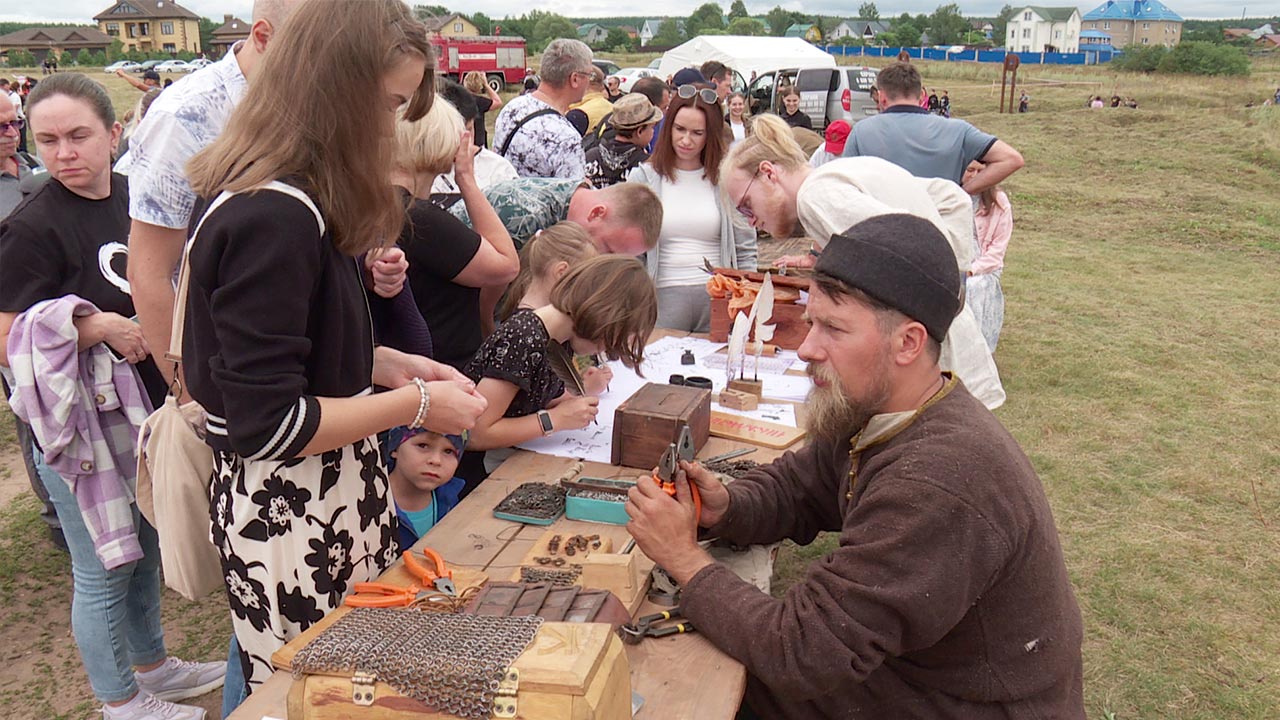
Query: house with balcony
[[151, 26], [1034, 28], [1135, 22], [45, 41]]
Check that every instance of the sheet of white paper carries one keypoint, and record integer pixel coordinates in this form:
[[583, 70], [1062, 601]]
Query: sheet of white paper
[[772, 365], [780, 413], [661, 360], [594, 442]]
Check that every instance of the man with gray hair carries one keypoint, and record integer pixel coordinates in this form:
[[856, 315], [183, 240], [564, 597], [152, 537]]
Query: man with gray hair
[[532, 131]]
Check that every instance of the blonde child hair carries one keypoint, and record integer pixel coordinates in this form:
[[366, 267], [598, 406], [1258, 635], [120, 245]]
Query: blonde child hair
[[566, 242]]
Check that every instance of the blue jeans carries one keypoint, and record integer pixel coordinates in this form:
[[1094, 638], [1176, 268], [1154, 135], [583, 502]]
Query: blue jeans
[[234, 689], [115, 614]]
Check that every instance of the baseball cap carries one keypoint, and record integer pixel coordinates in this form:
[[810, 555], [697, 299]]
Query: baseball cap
[[836, 135]]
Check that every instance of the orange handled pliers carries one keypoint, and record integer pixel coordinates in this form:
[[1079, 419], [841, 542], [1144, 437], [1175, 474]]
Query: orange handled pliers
[[383, 595], [669, 465], [440, 577]]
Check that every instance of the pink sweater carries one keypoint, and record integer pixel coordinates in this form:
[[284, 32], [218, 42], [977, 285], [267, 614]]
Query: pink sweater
[[994, 229]]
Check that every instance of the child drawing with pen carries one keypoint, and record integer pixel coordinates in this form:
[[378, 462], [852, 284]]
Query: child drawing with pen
[[525, 370]]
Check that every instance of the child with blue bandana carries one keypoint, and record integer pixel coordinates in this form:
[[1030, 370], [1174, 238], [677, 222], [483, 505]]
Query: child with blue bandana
[[422, 466]]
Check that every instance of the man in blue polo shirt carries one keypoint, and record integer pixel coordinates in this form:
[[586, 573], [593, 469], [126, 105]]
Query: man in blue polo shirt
[[927, 145]]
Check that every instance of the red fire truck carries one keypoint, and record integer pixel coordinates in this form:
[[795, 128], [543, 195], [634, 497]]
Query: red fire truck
[[500, 58]]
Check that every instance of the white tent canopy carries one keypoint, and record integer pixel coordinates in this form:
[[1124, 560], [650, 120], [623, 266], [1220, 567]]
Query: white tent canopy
[[745, 54]]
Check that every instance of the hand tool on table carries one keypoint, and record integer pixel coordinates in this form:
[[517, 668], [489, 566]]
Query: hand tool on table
[[669, 465], [727, 456], [440, 577], [644, 627], [385, 595]]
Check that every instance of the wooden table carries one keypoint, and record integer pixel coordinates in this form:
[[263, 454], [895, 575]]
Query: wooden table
[[679, 677]]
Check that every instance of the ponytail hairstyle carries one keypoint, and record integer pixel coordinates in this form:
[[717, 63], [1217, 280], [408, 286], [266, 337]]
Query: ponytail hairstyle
[[770, 139], [612, 302], [566, 242]]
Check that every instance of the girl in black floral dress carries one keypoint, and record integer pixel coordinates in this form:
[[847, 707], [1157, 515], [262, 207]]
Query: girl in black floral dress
[[606, 304], [278, 346]]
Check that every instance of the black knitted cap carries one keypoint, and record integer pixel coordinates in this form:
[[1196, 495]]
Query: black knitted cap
[[904, 262]]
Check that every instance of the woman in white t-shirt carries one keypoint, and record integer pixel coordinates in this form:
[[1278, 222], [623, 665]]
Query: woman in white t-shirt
[[738, 117], [697, 222]]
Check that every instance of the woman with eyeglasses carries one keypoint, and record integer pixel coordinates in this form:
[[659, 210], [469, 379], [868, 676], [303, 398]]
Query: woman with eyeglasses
[[82, 366], [698, 224]]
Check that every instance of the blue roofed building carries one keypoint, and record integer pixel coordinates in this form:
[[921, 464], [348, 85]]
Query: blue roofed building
[[1135, 22]]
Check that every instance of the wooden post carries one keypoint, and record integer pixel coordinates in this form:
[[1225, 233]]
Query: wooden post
[[1009, 75]]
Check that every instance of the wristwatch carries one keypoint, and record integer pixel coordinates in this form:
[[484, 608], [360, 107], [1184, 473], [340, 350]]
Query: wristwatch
[[544, 419]]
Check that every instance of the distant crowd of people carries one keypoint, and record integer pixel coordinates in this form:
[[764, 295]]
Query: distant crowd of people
[[1096, 101]]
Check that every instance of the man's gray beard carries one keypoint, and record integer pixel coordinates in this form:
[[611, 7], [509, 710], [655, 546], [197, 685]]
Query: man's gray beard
[[832, 417]]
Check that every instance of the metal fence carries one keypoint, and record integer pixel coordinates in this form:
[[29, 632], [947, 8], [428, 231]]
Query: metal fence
[[1088, 57]]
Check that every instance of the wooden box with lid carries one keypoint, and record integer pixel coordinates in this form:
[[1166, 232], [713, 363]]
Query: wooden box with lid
[[646, 423]]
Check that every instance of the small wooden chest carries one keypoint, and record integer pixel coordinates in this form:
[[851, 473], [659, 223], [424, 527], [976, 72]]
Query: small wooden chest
[[646, 423]]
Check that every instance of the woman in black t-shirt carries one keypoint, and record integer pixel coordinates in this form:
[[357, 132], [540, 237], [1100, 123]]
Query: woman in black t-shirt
[[70, 237], [457, 274], [791, 108], [486, 100]]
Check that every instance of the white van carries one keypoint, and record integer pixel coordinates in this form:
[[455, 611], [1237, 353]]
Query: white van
[[826, 94]]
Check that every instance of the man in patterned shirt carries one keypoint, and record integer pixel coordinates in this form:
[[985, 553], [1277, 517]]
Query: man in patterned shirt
[[532, 131], [181, 122], [623, 218]]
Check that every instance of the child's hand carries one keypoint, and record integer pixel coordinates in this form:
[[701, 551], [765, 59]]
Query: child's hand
[[596, 379], [574, 413]]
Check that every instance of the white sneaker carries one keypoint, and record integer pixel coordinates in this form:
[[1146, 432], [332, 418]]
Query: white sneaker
[[180, 679], [146, 706]]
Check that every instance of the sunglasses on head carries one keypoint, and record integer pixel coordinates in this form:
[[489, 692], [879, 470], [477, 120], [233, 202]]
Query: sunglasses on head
[[707, 94]]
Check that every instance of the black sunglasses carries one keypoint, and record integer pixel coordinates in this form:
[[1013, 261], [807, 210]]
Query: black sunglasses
[[707, 94], [17, 125]]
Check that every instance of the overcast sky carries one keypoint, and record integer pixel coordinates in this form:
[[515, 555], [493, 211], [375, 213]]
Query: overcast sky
[[84, 10]]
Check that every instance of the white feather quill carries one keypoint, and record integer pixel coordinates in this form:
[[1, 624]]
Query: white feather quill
[[737, 344], [762, 310]]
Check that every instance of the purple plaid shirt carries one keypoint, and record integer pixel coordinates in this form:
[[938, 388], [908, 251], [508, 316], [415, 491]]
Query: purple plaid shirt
[[85, 409]]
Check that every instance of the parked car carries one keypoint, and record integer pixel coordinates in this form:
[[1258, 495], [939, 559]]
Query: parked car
[[826, 94], [628, 77], [608, 67], [148, 65], [654, 63], [199, 63], [125, 65], [173, 66]]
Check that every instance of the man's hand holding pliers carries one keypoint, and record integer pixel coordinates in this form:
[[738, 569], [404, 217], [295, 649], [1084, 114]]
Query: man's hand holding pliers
[[666, 528]]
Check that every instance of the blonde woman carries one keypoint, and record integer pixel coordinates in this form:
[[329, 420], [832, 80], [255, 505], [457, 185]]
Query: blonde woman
[[278, 345], [738, 117], [456, 273], [486, 100]]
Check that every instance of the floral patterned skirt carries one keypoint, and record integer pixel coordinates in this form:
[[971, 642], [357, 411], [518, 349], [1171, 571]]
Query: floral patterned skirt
[[294, 537]]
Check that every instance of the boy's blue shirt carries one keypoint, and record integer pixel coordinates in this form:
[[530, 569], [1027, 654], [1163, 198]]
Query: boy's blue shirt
[[444, 498]]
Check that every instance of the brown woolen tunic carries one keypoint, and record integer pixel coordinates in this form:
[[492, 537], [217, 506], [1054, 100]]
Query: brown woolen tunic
[[946, 598]]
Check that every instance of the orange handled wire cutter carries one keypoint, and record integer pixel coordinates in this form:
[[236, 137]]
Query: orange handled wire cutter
[[431, 581], [669, 465]]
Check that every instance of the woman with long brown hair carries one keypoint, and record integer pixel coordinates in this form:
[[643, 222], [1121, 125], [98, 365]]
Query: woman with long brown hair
[[278, 346], [697, 222]]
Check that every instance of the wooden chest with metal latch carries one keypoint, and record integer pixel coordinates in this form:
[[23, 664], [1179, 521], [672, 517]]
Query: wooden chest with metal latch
[[571, 671]]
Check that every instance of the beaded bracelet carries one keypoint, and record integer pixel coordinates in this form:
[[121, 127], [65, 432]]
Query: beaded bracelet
[[424, 403]]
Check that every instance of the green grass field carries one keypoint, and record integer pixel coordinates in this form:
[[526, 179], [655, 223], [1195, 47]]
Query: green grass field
[[1139, 354]]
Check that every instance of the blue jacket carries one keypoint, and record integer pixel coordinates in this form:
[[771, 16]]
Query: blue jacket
[[445, 498]]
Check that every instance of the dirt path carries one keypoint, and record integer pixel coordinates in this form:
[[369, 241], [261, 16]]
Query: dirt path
[[43, 678]]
